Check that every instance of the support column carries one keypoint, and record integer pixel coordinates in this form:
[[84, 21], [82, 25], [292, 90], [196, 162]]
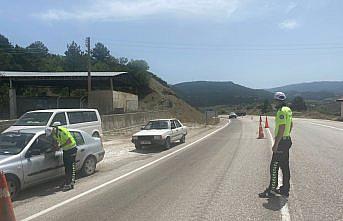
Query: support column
[[111, 84], [341, 101], [13, 101]]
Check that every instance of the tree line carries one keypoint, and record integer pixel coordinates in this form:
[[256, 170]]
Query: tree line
[[36, 57]]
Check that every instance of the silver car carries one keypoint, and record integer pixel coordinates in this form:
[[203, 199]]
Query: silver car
[[27, 157]]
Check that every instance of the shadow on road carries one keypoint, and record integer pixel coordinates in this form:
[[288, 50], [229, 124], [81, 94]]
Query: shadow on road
[[44, 189], [153, 149], [275, 203]]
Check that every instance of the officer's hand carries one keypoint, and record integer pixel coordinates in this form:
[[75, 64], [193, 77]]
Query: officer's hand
[[274, 148]]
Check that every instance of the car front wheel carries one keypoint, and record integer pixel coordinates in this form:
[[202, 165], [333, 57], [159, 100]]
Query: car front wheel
[[167, 143], [13, 186]]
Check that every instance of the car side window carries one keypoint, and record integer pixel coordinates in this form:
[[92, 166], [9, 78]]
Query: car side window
[[78, 138], [75, 117], [173, 126], [178, 124], [89, 116], [42, 144], [59, 117]]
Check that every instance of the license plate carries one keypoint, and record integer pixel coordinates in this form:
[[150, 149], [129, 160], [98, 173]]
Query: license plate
[[145, 142]]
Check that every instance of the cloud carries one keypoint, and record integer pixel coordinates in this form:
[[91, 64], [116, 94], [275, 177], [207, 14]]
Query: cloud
[[289, 24], [114, 10]]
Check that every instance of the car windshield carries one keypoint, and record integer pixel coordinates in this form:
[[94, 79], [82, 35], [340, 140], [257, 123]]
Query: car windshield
[[14, 142], [34, 119], [156, 125]]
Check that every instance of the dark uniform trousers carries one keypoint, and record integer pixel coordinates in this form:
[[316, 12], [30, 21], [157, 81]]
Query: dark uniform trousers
[[280, 159], [69, 157]]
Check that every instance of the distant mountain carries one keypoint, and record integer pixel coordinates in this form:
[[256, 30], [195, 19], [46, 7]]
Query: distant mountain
[[209, 93], [313, 90]]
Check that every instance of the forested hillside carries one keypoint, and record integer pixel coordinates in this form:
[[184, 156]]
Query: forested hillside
[[205, 93]]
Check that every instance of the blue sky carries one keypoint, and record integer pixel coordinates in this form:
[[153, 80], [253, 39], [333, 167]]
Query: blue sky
[[256, 43]]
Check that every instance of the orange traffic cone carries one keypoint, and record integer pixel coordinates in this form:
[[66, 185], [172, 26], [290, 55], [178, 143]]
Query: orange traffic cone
[[267, 124], [260, 130], [6, 207]]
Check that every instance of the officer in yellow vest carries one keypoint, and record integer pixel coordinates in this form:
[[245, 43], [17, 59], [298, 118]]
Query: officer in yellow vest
[[68, 144], [282, 144]]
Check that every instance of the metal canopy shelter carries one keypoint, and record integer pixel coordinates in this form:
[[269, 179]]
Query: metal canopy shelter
[[55, 79]]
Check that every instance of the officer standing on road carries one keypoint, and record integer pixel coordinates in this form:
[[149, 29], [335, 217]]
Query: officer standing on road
[[68, 144], [282, 144]]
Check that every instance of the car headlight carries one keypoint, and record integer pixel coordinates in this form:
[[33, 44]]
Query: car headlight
[[157, 137], [134, 138]]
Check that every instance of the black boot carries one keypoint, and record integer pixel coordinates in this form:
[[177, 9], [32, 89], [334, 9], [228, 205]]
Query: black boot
[[268, 193]]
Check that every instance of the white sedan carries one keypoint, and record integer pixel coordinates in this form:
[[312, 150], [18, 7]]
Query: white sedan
[[162, 132]]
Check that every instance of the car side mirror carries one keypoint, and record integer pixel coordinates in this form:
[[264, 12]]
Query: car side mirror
[[56, 124], [143, 128]]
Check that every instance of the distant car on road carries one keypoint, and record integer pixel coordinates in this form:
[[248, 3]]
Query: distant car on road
[[232, 115], [241, 114], [161, 132], [82, 119], [27, 157]]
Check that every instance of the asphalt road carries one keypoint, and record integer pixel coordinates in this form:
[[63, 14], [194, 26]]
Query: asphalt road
[[217, 178]]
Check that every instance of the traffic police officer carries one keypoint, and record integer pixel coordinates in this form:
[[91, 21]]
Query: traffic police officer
[[282, 144], [68, 144]]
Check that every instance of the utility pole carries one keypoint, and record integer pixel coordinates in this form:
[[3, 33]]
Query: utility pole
[[88, 45]]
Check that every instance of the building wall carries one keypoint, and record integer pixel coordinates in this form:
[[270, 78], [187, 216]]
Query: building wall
[[25, 103], [101, 100], [120, 121], [107, 101], [128, 102]]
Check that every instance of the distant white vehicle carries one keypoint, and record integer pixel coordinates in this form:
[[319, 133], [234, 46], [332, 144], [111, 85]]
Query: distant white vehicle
[[162, 132], [232, 115], [87, 120]]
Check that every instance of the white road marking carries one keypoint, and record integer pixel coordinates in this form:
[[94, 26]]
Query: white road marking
[[118, 178], [323, 125], [285, 216]]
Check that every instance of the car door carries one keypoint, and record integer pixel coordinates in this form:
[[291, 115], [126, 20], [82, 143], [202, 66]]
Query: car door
[[180, 128], [40, 162], [175, 131]]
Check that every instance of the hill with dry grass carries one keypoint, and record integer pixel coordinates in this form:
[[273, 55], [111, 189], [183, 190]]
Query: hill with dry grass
[[161, 97]]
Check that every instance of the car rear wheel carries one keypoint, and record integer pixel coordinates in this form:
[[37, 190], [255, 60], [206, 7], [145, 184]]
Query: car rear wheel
[[167, 143], [13, 186], [89, 166], [96, 134]]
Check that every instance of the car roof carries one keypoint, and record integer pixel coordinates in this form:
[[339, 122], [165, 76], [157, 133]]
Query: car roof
[[163, 119], [61, 110], [36, 130]]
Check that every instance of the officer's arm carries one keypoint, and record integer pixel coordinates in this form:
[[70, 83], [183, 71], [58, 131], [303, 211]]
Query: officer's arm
[[291, 126], [280, 134]]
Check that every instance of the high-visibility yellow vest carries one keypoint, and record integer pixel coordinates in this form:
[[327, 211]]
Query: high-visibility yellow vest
[[62, 136], [283, 117]]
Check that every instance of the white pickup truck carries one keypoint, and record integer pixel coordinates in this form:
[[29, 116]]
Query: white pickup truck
[[160, 132]]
